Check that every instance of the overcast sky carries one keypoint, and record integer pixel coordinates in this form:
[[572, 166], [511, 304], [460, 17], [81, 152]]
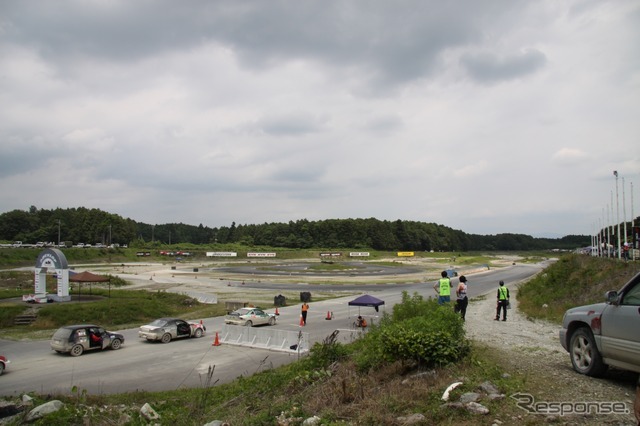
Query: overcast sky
[[494, 116]]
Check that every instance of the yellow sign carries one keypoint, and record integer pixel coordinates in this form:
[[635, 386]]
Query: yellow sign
[[405, 254]]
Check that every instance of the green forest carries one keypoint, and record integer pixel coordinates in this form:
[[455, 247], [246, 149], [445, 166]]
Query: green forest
[[93, 226]]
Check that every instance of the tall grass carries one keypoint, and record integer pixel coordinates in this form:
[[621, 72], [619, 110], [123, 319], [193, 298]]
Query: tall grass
[[573, 280]]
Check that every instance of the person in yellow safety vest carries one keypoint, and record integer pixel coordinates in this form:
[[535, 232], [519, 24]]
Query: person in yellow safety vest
[[443, 288], [503, 302]]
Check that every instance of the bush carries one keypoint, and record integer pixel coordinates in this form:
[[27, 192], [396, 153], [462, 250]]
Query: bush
[[418, 331]]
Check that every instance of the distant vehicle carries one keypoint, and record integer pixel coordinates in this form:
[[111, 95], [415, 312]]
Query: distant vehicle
[[250, 317], [17, 244], [167, 329], [605, 334], [75, 339], [3, 363]]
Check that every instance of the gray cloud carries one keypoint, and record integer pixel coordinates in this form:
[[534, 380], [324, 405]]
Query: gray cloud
[[256, 111], [489, 68]]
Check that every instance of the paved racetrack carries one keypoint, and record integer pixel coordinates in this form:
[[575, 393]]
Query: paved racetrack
[[141, 365]]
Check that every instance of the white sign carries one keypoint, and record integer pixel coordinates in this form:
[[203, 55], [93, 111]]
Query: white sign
[[222, 254], [261, 255], [359, 253]]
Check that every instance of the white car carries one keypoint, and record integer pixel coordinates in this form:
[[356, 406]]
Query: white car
[[250, 317]]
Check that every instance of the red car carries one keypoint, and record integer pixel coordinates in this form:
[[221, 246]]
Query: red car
[[3, 363]]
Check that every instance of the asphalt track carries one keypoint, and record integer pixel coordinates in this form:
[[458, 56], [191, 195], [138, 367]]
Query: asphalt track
[[144, 366], [360, 269]]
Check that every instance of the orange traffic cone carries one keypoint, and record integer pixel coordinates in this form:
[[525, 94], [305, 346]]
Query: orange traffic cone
[[216, 342], [329, 316], [301, 321], [277, 313]]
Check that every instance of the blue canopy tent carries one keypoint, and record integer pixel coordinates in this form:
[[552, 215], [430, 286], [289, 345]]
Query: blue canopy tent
[[366, 300]]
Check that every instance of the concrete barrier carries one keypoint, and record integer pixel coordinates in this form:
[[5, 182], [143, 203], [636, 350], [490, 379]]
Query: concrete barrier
[[265, 337], [349, 335]]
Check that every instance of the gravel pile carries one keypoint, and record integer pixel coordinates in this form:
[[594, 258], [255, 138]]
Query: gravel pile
[[532, 348]]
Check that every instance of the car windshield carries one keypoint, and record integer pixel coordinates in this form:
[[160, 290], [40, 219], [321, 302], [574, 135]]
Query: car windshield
[[243, 311], [62, 334], [159, 323]]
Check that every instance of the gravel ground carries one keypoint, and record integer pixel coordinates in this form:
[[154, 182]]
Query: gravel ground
[[532, 349]]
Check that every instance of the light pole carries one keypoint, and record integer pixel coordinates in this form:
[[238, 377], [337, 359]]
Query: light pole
[[615, 173], [58, 233], [624, 212]]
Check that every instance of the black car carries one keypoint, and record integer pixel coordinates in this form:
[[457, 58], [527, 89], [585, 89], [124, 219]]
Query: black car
[[75, 339]]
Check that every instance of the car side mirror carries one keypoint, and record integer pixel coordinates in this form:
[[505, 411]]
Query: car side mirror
[[612, 297]]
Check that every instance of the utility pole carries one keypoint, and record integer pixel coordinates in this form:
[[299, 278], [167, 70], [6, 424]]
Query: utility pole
[[58, 233]]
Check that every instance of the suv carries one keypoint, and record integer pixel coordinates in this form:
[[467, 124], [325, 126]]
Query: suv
[[605, 334], [75, 339]]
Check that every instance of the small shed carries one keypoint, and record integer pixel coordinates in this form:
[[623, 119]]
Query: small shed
[[88, 277]]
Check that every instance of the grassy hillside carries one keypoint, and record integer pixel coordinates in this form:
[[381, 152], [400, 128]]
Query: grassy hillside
[[573, 281]]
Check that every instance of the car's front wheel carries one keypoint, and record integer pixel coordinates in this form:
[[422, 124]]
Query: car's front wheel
[[585, 356], [76, 350], [166, 338], [116, 344], [1, 368], [198, 333], [272, 321]]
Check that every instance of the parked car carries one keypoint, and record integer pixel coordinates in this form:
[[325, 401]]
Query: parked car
[[605, 334], [250, 317], [167, 329], [3, 363], [75, 339]]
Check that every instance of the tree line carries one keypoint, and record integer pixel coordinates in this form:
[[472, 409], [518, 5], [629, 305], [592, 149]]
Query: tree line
[[96, 226]]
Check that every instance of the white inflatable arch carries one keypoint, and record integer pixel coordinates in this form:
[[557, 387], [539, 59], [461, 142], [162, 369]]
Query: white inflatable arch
[[50, 258]]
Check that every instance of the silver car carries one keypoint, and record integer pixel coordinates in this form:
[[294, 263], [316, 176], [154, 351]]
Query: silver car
[[250, 317], [167, 329], [605, 334]]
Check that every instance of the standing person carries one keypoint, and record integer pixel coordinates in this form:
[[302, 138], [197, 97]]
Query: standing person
[[503, 301], [443, 288], [461, 297], [305, 308], [625, 252]]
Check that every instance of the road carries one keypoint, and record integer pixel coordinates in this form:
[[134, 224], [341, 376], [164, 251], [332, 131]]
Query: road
[[145, 366]]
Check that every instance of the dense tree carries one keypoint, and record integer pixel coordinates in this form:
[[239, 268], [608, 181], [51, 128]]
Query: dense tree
[[96, 226]]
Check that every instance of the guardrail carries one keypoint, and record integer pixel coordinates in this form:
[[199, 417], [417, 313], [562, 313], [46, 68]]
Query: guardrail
[[266, 338]]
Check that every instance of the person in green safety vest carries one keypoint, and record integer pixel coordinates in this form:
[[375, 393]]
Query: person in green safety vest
[[443, 288], [503, 302]]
